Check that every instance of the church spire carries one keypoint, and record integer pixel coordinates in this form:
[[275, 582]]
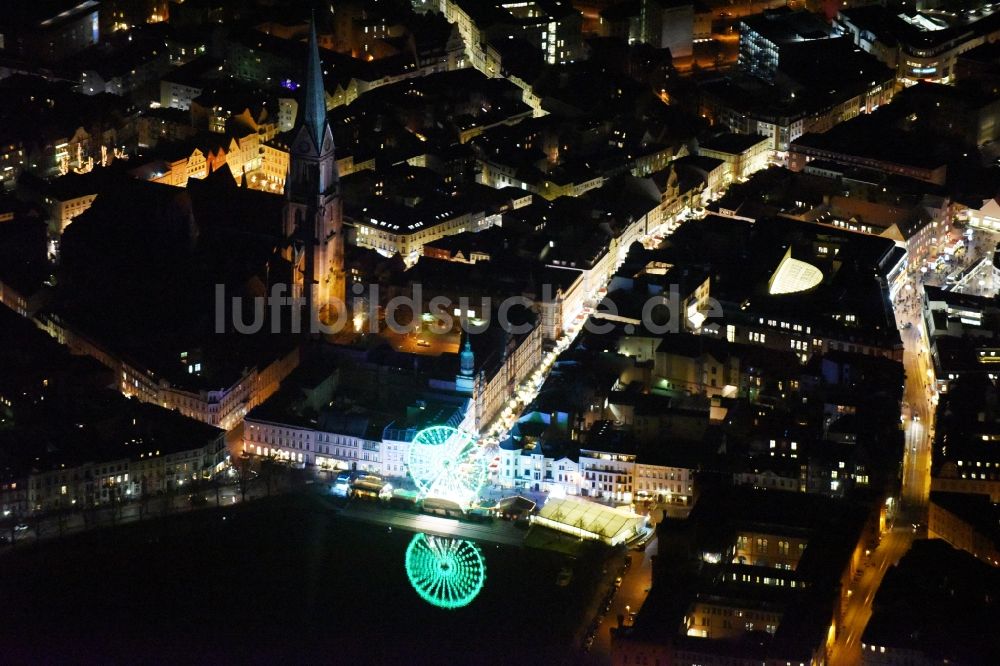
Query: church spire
[[313, 226], [315, 93]]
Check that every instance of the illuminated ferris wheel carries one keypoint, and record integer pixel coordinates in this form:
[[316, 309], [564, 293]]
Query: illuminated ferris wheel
[[447, 573], [446, 463]]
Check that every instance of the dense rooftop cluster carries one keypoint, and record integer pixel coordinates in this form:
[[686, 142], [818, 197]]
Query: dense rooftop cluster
[[735, 273]]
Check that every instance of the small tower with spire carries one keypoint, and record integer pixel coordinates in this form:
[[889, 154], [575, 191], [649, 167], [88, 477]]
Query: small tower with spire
[[313, 215], [465, 381]]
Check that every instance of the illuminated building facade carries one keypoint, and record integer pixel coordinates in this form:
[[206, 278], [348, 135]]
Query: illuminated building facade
[[607, 472], [817, 85], [763, 37], [226, 407], [398, 229], [127, 478], [500, 373], [552, 26], [336, 444], [742, 154], [771, 587], [49, 31], [223, 408], [101, 448], [68, 197], [124, 14], [968, 522], [668, 24], [919, 46], [538, 466], [664, 483]]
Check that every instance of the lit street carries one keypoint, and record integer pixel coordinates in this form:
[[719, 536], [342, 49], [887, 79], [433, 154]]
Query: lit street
[[629, 598], [424, 340], [918, 413], [895, 543], [917, 419], [54, 526]]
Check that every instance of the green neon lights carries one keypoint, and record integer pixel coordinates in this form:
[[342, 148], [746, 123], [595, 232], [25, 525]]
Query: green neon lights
[[447, 573], [446, 464]]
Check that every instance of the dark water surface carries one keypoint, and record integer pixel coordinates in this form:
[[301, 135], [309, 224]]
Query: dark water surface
[[280, 579]]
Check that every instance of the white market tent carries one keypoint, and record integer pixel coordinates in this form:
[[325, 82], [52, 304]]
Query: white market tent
[[589, 520]]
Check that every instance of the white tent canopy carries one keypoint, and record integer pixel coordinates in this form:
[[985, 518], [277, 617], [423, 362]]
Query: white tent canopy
[[590, 520]]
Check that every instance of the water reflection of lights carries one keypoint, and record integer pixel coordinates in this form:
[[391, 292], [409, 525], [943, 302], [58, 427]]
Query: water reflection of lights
[[447, 573]]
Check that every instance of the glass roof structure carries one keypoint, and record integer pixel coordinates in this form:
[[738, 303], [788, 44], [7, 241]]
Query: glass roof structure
[[793, 276]]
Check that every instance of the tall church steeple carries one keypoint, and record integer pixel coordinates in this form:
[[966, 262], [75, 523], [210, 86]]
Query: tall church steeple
[[315, 93], [313, 223]]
